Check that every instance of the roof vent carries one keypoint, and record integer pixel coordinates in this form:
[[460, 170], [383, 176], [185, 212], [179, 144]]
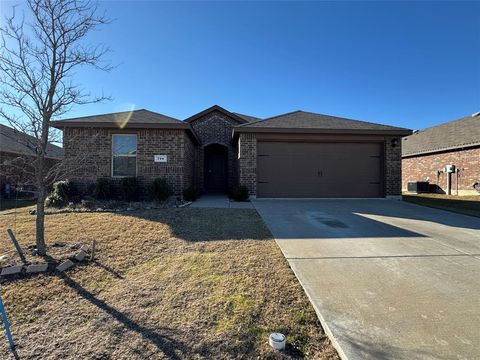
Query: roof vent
[[476, 114]]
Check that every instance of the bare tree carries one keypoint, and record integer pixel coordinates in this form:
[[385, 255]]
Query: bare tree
[[37, 64]]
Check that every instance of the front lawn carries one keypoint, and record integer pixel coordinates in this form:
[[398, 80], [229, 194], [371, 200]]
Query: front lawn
[[169, 283], [468, 205]]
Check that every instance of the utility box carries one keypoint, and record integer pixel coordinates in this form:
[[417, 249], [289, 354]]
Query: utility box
[[418, 187], [449, 169]]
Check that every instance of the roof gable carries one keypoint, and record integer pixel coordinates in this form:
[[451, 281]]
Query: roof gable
[[213, 108], [460, 133]]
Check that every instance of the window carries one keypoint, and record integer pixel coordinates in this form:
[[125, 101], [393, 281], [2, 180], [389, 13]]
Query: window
[[124, 155]]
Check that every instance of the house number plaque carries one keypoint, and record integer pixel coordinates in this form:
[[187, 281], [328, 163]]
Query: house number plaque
[[160, 158]]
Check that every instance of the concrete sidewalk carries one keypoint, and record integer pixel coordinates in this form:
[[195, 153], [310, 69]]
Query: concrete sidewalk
[[389, 280], [219, 201]]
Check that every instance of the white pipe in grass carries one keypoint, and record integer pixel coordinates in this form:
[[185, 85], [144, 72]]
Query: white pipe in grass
[[277, 341]]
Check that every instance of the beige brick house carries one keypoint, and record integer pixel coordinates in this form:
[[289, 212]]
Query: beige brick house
[[298, 154], [427, 152]]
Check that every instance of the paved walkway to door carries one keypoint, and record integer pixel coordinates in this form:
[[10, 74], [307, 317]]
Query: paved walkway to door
[[388, 279], [219, 201]]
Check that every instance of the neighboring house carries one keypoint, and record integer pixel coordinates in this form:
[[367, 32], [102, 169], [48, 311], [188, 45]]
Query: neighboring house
[[426, 153], [298, 154], [16, 155]]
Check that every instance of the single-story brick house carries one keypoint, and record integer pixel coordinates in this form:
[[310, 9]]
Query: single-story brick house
[[298, 154], [425, 154], [16, 154]]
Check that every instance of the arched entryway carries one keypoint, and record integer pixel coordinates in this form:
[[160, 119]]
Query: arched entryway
[[216, 168]]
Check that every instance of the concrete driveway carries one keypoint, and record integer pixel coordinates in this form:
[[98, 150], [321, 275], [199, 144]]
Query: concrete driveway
[[388, 279]]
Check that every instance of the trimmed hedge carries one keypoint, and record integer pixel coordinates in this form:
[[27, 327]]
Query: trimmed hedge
[[160, 190], [239, 193], [129, 188], [190, 194], [103, 189]]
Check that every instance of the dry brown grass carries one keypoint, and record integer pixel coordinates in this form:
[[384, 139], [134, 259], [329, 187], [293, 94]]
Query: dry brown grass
[[173, 283]]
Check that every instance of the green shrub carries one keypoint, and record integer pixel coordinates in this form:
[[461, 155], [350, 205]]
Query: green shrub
[[129, 187], [62, 189], [239, 193], [62, 193], [160, 190], [54, 200], [190, 194], [103, 189]]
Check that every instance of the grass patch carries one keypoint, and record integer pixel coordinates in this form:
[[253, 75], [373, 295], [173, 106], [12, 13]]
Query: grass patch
[[169, 283], [467, 205]]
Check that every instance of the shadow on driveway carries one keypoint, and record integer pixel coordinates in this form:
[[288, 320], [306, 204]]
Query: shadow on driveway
[[350, 219]]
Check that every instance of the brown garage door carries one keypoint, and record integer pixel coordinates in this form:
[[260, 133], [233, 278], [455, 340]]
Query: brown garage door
[[319, 170]]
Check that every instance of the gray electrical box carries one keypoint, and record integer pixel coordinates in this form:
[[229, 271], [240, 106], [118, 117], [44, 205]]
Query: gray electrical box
[[449, 168]]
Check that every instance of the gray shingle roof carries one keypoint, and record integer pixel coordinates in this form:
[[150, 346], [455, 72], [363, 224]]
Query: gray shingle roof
[[464, 132], [17, 142], [248, 118], [124, 119], [299, 120], [136, 119]]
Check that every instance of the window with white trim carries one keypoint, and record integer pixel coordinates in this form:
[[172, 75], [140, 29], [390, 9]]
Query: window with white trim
[[124, 155]]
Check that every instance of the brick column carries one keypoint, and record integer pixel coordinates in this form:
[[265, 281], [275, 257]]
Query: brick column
[[247, 158], [393, 166]]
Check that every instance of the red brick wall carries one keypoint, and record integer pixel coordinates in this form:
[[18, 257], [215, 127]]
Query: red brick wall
[[88, 150], [161, 142], [419, 168]]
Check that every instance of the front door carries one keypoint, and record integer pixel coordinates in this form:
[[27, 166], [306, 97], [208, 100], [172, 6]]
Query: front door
[[216, 169]]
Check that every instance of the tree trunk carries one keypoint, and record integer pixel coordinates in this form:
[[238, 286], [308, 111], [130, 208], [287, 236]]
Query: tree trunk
[[40, 223]]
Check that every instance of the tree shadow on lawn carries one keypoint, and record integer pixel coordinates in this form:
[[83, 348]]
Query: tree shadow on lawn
[[109, 269], [163, 342], [196, 225]]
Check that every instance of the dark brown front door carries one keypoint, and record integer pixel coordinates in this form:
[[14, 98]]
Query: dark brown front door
[[316, 170], [216, 157]]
